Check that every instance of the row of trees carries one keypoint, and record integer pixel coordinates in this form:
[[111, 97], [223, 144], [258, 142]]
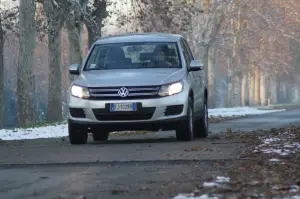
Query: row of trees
[[45, 19], [250, 47]]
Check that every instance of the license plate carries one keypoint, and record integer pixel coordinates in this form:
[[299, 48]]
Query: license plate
[[122, 107]]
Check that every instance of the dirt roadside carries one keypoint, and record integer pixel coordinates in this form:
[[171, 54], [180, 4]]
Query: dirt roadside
[[268, 168]]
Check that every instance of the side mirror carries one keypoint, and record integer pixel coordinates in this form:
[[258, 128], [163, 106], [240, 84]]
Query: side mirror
[[74, 69], [196, 65]]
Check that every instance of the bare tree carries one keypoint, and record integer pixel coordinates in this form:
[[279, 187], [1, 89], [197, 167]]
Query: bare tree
[[75, 25], [8, 21], [94, 16], [1, 72], [26, 52], [55, 13]]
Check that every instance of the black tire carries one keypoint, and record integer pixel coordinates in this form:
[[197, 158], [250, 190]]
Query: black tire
[[185, 130], [100, 135], [77, 133], [201, 125]]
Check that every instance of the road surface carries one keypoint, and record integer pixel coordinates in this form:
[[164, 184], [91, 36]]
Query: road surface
[[142, 166]]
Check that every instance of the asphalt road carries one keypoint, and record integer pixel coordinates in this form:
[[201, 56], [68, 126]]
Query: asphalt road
[[142, 166]]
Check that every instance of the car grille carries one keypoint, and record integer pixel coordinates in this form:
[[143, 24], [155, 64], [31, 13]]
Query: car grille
[[135, 92], [142, 113]]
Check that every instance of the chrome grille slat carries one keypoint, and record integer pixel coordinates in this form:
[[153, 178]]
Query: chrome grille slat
[[143, 89], [105, 95], [103, 90], [130, 94], [138, 92]]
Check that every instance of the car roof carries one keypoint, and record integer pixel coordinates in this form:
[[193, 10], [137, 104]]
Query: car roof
[[140, 37]]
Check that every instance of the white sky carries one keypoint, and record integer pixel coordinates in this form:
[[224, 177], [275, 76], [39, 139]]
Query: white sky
[[8, 4]]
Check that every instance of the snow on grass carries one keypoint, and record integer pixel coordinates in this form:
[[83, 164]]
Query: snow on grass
[[222, 179], [218, 182], [210, 184], [283, 146], [61, 130], [274, 160], [238, 111], [51, 131], [293, 197], [192, 196]]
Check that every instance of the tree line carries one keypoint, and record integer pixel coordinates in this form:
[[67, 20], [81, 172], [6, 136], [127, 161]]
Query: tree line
[[250, 48]]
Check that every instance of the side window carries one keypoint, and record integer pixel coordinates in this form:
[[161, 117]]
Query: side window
[[188, 49], [185, 53]]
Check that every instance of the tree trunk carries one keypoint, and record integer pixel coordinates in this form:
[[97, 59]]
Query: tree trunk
[[54, 112], [245, 91], [211, 78], [26, 54], [75, 44], [230, 93], [203, 56], [257, 86], [251, 89], [1, 74], [92, 36], [237, 91], [297, 89], [263, 91]]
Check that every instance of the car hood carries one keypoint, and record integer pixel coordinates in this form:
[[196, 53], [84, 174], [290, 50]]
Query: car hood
[[129, 77]]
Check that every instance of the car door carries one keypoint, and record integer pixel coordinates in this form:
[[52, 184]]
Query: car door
[[197, 79]]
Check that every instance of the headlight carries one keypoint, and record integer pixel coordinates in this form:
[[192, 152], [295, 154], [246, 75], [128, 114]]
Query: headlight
[[80, 92], [171, 89]]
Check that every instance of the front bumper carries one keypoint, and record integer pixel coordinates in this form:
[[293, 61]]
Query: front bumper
[[149, 110]]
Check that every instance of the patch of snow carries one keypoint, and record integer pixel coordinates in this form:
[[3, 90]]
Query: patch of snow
[[274, 160], [210, 184], [217, 183], [192, 196], [52, 131], [290, 197], [282, 146], [270, 140], [294, 188], [238, 111], [221, 179]]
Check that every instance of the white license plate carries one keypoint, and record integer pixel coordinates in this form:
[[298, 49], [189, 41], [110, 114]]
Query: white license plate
[[122, 107]]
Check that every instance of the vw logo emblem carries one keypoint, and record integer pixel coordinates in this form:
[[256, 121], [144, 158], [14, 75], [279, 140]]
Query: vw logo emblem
[[123, 92]]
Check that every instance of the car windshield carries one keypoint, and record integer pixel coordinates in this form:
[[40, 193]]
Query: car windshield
[[133, 55]]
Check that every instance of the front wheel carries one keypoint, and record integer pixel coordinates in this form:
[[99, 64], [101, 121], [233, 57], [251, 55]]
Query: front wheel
[[185, 129], [201, 125], [100, 136], [77, 133]]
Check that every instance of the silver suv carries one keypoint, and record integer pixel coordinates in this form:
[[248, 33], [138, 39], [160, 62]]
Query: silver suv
[[147, 81]]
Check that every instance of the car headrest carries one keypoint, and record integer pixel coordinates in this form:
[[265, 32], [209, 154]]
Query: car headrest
[[146, 56], [172, 53]]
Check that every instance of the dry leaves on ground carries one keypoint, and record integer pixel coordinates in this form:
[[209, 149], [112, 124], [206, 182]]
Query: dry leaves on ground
[[269, 168]]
